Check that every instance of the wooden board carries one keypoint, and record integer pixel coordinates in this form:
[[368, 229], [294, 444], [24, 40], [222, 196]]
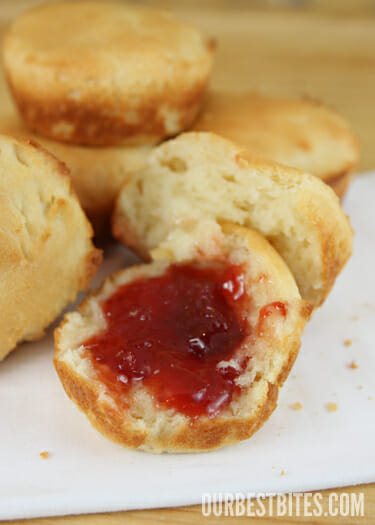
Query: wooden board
[[325, 54], [193, 515], [295, 53]]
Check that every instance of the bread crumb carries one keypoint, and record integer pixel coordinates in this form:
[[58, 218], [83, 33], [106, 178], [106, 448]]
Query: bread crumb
[[353, 365], [282, 473], [332, 407], [348, 342], [355, 318], [297, 406], [44, 455], [360, 388]]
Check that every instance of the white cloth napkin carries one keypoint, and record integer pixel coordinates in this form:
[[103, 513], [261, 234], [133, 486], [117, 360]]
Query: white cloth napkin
[[296, 450]]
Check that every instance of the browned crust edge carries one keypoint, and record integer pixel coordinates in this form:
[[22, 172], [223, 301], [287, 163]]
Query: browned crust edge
[[104, 123], [92, 258], [199, 436], [334, 258], [340, 183], [202, 435]]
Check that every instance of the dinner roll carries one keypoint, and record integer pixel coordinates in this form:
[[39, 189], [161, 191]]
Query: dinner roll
[[194, 182], [97, 173], [46, 253], [105, 73], [302, 133], [185, 357]]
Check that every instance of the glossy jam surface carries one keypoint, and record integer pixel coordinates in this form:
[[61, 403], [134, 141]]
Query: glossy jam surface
[[171, 331], [270, 309]]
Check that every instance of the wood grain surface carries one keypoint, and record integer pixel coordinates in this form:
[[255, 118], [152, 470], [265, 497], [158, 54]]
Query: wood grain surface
[[325, 52], [193, 515]]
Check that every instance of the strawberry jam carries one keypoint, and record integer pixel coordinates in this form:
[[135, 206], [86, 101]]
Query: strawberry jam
[[170, 333], [270, 309]]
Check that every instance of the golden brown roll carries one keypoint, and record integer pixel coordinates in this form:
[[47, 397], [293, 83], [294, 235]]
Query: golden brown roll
[[185, 357], [103, 73], [46, 253], [302, 133], [193, 183], [97, 173]]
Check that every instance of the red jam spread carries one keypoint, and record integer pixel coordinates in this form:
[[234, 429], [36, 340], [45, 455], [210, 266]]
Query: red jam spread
[[171, 331], [266, 311]]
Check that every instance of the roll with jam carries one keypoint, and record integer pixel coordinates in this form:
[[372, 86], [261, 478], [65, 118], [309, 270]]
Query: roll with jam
[[187, 352]]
